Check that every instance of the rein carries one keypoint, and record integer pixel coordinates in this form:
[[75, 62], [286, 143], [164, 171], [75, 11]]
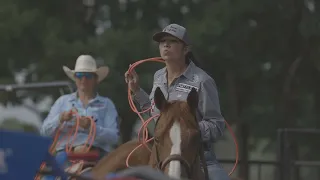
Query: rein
[[144, 140]]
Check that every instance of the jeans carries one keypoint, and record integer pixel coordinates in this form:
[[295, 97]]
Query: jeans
[[67, 164], [215, 170]]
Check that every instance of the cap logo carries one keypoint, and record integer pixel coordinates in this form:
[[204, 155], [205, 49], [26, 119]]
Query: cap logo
[[175, 30], [170, 29]]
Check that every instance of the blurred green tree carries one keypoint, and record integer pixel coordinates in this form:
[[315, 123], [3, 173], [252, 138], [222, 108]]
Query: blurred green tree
[[264, 55]]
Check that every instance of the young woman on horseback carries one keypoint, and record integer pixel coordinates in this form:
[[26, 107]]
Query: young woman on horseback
[[87, 104], [176, 80]]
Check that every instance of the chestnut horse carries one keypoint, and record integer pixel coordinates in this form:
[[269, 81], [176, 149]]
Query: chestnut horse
[[177, 147]]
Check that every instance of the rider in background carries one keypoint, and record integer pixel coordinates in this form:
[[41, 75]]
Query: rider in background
[[88, 103], [180, 75]]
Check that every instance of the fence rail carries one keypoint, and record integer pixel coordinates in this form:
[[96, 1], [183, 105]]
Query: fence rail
[[285, 161], [258, 163], [13, 87], [285, 156]]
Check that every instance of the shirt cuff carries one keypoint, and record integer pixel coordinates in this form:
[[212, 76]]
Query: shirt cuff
[[57, 121], [51, 127], [205, 131], [141, 97]]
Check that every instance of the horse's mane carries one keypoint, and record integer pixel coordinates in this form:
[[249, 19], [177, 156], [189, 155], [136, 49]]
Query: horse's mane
[[176, 110]]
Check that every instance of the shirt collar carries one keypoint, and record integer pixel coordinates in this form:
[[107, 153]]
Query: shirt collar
[[74, 97], [188, 73]]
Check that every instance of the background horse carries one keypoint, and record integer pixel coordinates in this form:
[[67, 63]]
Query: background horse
[[177, 141], [116, 160]]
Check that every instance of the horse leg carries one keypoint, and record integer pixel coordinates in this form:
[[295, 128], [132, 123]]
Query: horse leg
[[116, 160]]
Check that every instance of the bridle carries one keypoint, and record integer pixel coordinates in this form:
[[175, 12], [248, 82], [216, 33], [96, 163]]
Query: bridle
[[173, 157], [161, 165]]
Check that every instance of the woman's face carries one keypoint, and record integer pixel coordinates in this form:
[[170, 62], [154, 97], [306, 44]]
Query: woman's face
[[172, 49]]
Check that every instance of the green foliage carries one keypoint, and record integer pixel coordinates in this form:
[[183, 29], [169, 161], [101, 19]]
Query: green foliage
[[257, 41]]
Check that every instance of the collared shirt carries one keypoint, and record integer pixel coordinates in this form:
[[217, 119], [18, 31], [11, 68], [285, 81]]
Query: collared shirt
[[101, 109], [211, 121]]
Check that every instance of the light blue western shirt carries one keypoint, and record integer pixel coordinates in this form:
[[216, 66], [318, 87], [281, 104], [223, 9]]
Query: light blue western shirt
[[101, 109]]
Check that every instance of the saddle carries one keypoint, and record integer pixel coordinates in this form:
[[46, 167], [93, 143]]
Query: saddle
[[81, 162]]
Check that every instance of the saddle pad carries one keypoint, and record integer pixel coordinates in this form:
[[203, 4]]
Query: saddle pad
[[21, 154]]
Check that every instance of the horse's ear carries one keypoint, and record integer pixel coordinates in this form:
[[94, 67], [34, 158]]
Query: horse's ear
[[159, 99], [193, 99]]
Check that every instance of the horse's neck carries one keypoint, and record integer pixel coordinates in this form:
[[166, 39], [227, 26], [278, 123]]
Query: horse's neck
[[153, 157]]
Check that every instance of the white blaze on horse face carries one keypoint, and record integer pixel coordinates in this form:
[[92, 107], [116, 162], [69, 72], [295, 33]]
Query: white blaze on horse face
[[175, 136]]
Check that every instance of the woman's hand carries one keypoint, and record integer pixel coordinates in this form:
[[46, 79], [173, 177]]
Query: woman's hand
[[66, 116], [84, 122], [132, 79]]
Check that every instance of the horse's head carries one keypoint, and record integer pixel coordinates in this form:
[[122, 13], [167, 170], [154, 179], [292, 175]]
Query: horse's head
[[176, 136]]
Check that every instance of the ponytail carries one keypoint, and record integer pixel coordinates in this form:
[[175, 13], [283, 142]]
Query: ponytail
[[191, 58]]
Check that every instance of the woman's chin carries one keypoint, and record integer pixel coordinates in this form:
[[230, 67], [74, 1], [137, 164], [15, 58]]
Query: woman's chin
[[166, 58]]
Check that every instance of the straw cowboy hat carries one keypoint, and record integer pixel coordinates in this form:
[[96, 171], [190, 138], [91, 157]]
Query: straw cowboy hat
[[86, 63]]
